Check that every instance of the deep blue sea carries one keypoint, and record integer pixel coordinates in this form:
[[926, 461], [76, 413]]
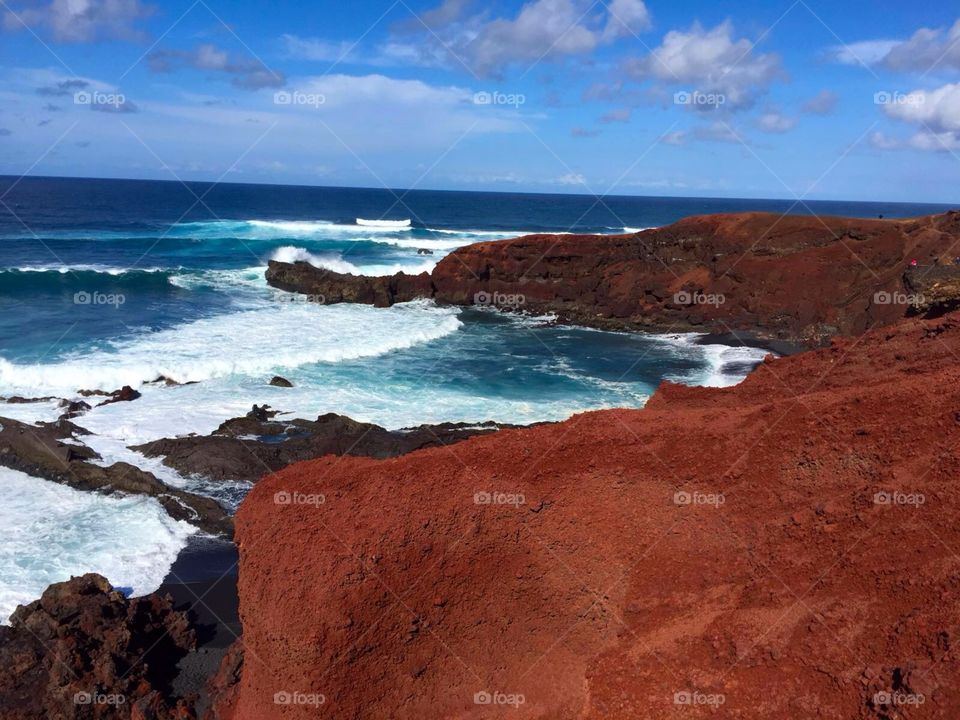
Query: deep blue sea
[[105, 283]]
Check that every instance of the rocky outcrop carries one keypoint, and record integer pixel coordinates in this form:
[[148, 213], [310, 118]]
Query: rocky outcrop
[[249, 447], [328, 287], [50, 451], [782, 549], [84, 651], [794, 278]]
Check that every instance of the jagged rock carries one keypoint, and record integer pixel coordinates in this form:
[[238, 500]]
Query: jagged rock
[[249, 447], [38, 450], [85, 651]]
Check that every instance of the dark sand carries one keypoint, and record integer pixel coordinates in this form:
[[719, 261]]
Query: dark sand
[[203, 581]]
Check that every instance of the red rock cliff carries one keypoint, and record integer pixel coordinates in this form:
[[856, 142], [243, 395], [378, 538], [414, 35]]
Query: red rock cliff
[[787, 548], [793, 278]]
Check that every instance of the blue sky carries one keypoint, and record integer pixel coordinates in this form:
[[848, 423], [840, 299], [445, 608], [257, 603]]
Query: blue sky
[[813, 98]]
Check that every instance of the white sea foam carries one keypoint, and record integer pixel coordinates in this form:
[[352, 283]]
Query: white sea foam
[[250, 342], [723, 364], [386, 224], [86, 268], [53, 532], [290, 254]]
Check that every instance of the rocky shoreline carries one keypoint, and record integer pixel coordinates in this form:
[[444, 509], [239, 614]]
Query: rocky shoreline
[[795, 280], [452, 561]]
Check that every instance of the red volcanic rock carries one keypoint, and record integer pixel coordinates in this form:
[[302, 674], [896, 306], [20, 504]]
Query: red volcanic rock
[[793, 278], [84, 651], [787, 548]]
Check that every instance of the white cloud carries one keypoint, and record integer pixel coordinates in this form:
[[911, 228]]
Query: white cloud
[[927, 49], [570, 179], [936, 113], [882, 141], [823, 103], [710, 62], [541, 30], [938, 110], [619, 116], [246, 73], [774, 121], [82, 20], [626, 18], [936, 142], [868, 52]]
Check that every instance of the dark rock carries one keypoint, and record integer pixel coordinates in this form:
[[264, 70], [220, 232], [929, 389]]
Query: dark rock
[[124, 394], [73, 408], [17, 400], [278, 381], [38, 450], [85, 651], [230, 453], [334, 287]]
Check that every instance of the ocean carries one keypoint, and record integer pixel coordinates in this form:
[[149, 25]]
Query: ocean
[[105, 283]]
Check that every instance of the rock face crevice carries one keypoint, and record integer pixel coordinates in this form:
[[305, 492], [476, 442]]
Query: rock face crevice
[[777, 549], [792, 278]]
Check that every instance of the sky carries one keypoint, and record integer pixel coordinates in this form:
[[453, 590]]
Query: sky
[[804, 99]]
